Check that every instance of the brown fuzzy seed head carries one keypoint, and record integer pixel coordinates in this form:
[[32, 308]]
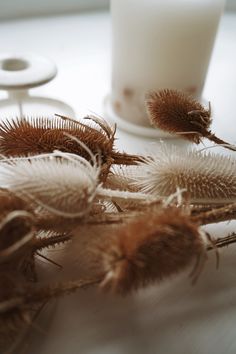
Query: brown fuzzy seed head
[[32, 136], [150, 249], [176, 112]]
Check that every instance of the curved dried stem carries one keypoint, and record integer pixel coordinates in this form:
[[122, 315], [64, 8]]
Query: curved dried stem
[[216, 215], [222, 242], [22, 241], [218, 141], [36, 296]]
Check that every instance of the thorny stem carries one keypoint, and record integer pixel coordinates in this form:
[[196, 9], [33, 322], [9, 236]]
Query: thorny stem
[[219, 141], [126, 159], [42, 243], [49, 260], [115, 194], [225, 213], [199, 209], [222, 242]]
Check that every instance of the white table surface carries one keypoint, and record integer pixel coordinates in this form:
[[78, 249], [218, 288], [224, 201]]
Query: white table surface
[[173, 317]]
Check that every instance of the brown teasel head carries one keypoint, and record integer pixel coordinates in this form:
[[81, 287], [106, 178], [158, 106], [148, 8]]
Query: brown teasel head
[[31, 136], [175, 112], [150, 249]]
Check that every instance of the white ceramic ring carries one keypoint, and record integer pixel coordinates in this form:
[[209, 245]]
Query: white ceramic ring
[[24, 71]]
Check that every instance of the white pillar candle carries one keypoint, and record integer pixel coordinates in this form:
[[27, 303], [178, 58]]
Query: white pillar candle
[[159, 44]]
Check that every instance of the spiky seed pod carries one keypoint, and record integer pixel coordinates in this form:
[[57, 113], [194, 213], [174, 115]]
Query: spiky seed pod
[[151, 248], [177, 113], [62, 184], [31, 136], [208, 178], [49, 182]]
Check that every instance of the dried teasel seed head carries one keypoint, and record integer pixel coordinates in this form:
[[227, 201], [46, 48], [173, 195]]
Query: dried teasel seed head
[[60, 183], [208, 178], [150, 249], [178, 113], [63, 184], [175, 112], [37, 135]]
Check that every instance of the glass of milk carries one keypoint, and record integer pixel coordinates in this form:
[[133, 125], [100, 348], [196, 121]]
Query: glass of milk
[[159, 44]]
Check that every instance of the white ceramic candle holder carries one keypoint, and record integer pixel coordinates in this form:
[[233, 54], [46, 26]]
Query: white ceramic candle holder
[[21, 72]]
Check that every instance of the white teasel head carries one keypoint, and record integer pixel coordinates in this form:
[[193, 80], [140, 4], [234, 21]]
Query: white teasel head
[[61, 183], [207, 177]]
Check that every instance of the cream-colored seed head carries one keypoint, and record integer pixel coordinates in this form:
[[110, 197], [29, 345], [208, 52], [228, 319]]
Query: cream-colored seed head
[[64, 186], [207, 177]]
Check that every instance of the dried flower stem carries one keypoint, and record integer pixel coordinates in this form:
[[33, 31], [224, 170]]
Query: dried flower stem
[[51, 241], [116, 195], [40, 295], [225, 213], [222, 242]]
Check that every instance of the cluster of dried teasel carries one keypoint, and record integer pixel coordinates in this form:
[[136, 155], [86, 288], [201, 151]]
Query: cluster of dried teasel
[[60, 177]]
